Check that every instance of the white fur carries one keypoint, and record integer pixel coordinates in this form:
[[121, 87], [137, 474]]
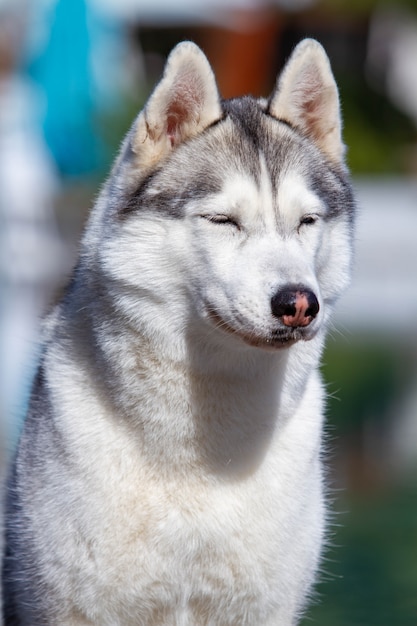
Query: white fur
[[188, 100], [204, 504], [307, 96], [190, 489], [161, 528]]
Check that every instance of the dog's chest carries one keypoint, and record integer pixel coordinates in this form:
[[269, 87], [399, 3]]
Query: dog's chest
[[191, 546], [190, 554]]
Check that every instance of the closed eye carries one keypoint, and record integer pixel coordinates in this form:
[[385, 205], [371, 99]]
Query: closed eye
[[219, 218], [308, 219]]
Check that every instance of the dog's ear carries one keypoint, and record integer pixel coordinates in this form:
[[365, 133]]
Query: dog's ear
[[183, 104], [306, 97]]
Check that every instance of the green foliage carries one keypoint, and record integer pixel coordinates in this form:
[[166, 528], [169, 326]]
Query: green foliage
[[375, 132], [364, 377], [112, 126], [371, 575]]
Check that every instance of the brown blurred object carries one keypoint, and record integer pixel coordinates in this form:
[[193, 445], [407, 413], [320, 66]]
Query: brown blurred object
[[244, 57], [12, 28]]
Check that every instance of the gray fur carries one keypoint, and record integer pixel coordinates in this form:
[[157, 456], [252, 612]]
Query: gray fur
[[169, 469]]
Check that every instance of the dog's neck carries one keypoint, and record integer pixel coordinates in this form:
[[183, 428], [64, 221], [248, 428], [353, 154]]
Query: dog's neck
[[195, 404], [192, 397]]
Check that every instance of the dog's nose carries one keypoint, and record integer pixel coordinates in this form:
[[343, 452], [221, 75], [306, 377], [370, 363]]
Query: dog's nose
[[295, 305]]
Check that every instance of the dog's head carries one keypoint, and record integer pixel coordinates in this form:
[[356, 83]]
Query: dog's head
[[239, 211]]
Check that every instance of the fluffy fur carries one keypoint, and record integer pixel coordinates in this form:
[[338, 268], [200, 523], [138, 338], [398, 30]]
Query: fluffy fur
[[169, 471]]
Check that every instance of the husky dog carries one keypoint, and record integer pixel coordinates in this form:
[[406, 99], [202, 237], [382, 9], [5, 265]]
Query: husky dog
[[169, 470]]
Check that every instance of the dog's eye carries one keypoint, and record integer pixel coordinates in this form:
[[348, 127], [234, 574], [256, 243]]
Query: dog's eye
[[219, 218], [307, 220]]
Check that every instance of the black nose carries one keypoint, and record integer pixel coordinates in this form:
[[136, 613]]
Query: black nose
[[295, 305]]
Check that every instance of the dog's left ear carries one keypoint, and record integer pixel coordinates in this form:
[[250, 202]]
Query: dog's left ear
[[306, 97], [183, 104]]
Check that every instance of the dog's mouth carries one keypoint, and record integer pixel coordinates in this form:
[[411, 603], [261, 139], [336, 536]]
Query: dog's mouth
[[276, 339]]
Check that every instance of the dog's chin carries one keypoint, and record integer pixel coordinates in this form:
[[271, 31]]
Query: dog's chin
[[276, 339]]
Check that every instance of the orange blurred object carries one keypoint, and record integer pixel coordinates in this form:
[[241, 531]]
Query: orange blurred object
[[245, 57]]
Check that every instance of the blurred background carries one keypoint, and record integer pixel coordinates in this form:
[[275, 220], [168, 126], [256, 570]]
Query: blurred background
[[73, 73]]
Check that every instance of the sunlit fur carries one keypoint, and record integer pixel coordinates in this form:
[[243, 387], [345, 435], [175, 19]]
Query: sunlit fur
[[169, 471]]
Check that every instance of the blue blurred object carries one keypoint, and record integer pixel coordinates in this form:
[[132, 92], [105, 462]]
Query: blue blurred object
[[64, 69]]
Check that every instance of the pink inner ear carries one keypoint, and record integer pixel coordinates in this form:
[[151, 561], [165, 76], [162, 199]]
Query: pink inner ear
[[184, 106], [311, 99], [309, 94], [177, 115], [172, 128]]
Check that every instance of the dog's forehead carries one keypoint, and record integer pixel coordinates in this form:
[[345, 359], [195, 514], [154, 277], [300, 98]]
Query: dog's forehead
[[294, 195], [283, 198], [242, 192], [254, 164], [267, 166]]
